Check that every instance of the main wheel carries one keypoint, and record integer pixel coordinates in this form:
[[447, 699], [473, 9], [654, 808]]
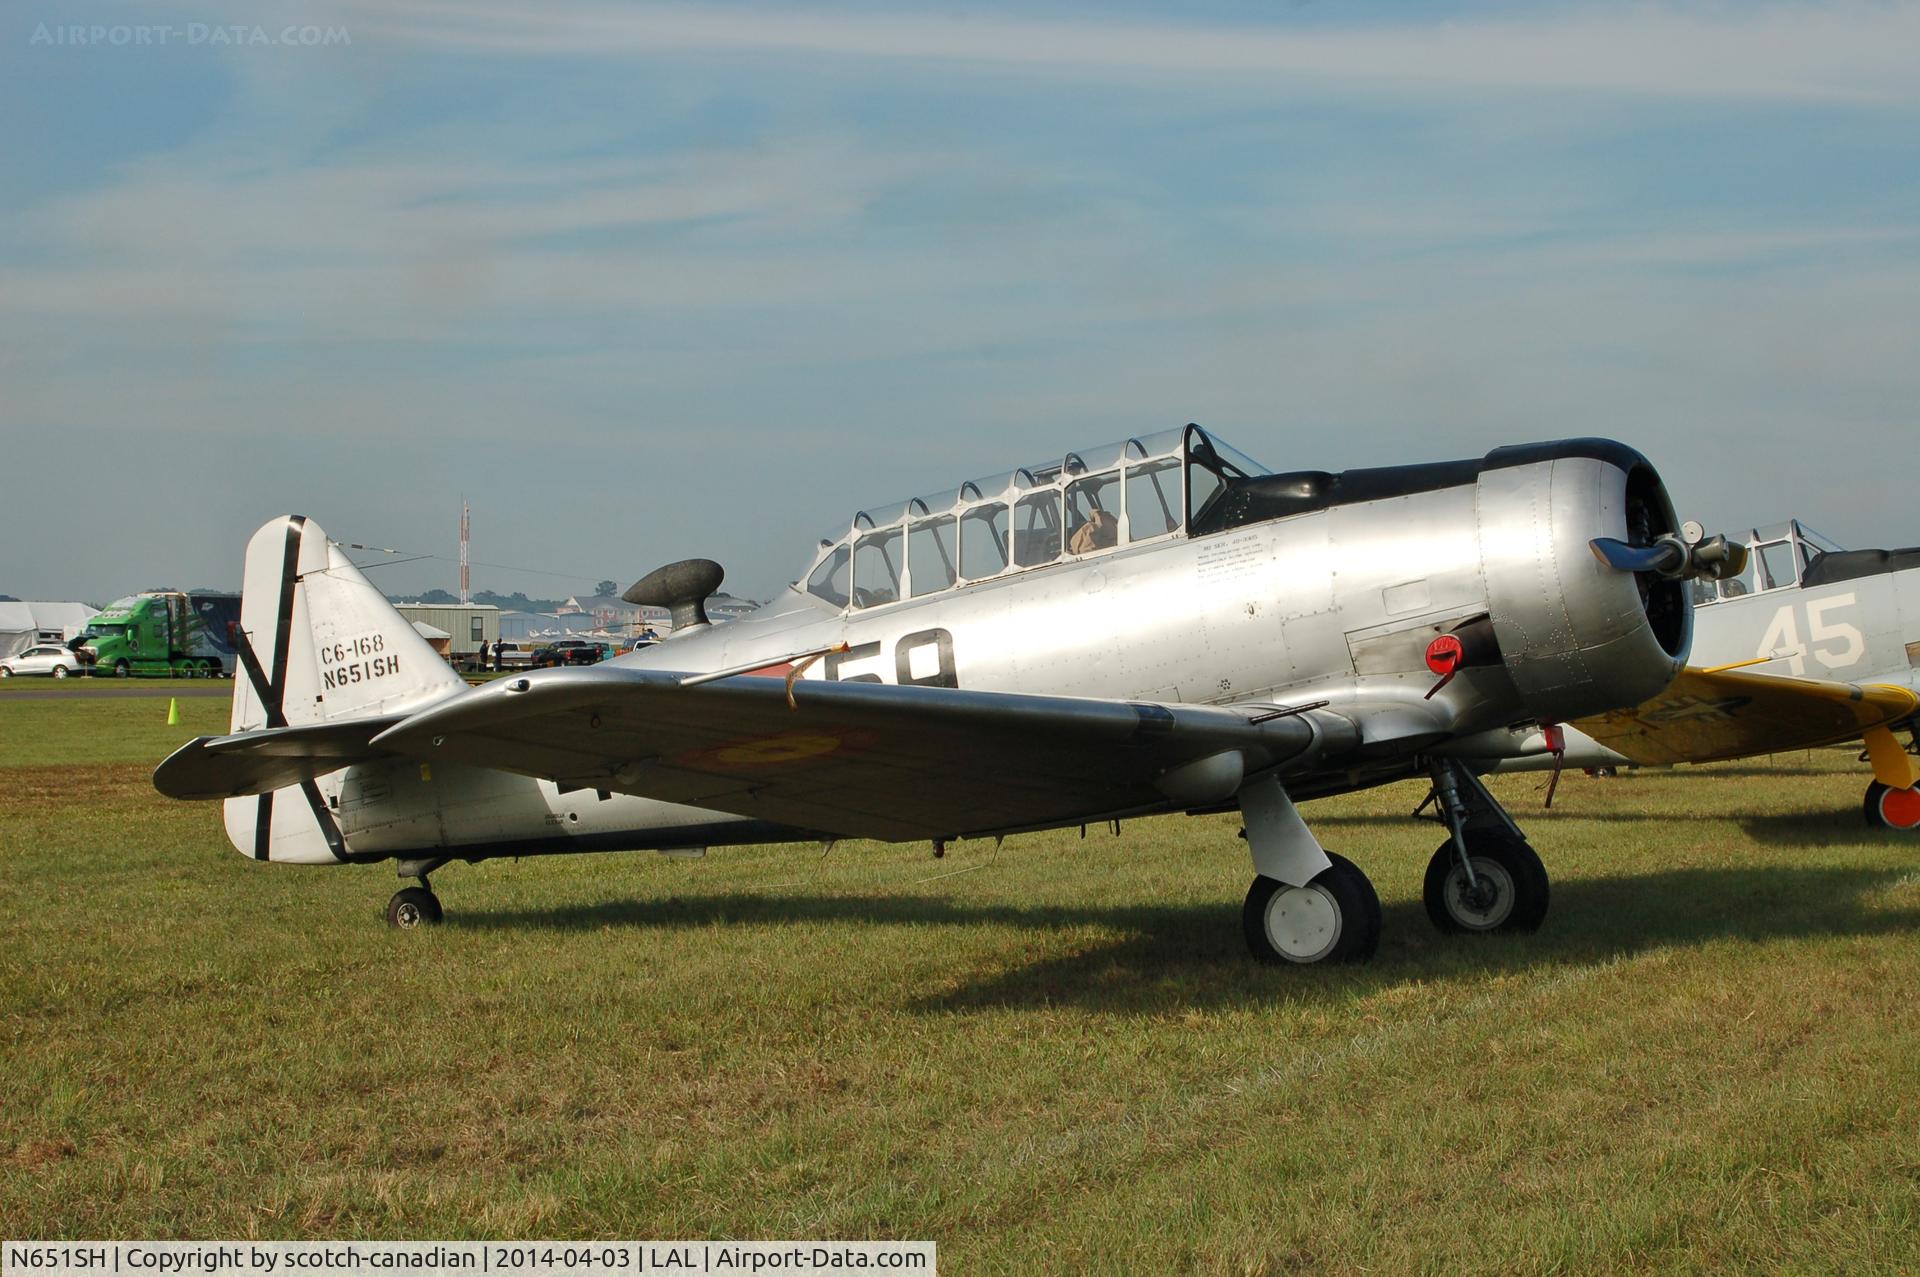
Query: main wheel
[[1334, 918], [413, 907], [1510, 885], [1890, 808]]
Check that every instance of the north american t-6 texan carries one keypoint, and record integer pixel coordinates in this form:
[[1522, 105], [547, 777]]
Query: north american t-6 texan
[[1159, 625]]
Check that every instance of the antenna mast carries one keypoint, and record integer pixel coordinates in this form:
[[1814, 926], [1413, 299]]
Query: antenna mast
[[466, 528]]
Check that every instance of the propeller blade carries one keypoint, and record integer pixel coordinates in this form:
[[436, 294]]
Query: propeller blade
[[1714, 558], [1665, 557]]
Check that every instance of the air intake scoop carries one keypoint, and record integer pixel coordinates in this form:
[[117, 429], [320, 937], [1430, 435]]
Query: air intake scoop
[[682, 588]]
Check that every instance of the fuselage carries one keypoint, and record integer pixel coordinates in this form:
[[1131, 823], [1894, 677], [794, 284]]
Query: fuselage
[[1301, 589]]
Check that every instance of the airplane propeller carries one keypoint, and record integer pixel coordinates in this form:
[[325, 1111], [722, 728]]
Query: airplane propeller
[[1691, 553]]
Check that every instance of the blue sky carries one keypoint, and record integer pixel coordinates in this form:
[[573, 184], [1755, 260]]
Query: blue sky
[[643, 281]]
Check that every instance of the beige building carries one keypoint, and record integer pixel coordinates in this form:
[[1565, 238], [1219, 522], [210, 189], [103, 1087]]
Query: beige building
[[467, 623]]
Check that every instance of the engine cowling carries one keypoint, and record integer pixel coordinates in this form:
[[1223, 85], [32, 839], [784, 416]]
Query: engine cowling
[[1576, 635]]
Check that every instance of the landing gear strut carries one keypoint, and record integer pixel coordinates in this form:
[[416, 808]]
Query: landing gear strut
[[1485, 877], [415, 906]]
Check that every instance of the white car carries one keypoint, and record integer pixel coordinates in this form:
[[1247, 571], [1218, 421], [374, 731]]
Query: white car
[[44, 659]]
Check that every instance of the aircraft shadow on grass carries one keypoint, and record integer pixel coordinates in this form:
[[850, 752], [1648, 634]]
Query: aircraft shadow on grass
[[1179, 956]]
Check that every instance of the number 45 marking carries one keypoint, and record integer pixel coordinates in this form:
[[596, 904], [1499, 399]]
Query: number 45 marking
[[1782, 640]]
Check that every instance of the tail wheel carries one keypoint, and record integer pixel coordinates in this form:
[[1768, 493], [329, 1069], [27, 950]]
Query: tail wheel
[[413, 907], [1334, 918], [1509, 890], [1890, 808]]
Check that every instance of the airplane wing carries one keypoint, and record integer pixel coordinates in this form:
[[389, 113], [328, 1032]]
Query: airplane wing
[[856, 759], [1709, 715]]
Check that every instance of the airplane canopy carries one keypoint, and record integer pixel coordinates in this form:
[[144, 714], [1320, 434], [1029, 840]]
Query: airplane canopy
[[1781, 554], [1086, 502]]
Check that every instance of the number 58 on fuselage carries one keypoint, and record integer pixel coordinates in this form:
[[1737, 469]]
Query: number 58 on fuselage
[[1157, 626]]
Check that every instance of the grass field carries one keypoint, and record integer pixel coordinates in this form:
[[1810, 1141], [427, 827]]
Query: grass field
[[1052, 1058]]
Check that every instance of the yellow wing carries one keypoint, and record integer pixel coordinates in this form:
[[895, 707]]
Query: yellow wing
[[1709, 715]]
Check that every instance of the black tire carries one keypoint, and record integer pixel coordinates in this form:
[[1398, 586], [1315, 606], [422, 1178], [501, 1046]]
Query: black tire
[[6, 671], [1342, 910], [1889, 808], [1513, 873], [121, 669], [413, 907], [59, 671]]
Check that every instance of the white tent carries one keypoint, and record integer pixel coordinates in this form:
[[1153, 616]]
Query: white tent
[[23, 624]]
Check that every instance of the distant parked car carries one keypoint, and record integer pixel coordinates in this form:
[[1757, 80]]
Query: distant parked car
[[512, 656], [569, 652], [44, 659]]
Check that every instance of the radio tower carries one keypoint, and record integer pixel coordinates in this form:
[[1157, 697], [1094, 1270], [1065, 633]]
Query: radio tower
[[466, 528]]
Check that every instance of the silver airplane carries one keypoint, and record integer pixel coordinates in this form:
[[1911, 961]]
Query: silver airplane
[[1807, 644], [1159, 625]]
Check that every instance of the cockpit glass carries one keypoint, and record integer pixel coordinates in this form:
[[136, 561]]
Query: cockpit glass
[[1153, 499], [829, 579], [1777, 565], [1204, 483], [876, 568], [1093, 513], [983, 542], [1158, 444], [931, 560], [1036, 528], [1740, 586], [1815, 542], [1235, 458]]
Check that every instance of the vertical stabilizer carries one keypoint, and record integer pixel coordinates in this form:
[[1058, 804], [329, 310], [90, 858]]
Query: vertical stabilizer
[[316, 643]]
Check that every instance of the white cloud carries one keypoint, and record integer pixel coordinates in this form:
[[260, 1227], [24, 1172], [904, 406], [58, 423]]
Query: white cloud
[[1844, 52]]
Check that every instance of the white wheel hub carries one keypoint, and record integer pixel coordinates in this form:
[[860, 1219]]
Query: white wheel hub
[[1303, 923], [1486, 905]]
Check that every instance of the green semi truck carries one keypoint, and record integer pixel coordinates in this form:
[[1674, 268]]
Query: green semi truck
[[162, 633]]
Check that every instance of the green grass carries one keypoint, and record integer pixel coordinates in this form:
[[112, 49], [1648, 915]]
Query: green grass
[[1053, 1058]]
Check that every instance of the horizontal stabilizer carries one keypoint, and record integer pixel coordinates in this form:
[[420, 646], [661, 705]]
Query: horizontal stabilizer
[[262, 761]]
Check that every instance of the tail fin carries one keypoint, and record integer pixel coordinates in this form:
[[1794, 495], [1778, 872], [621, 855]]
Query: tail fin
[[317, 644]]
